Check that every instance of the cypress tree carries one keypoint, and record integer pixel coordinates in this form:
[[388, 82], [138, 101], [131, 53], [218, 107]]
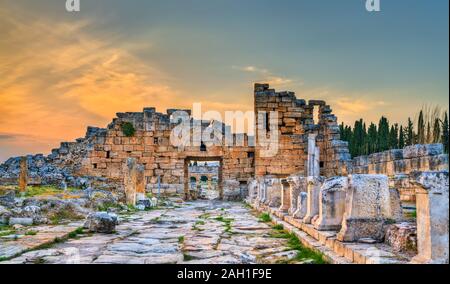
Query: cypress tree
[[437, 131], [372, 139], [421, 129], [429, 136], [445, 133], [410, 133], [383, 135], [401, 138]]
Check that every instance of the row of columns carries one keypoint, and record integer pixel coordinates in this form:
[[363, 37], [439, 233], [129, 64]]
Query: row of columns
[[359, 206]]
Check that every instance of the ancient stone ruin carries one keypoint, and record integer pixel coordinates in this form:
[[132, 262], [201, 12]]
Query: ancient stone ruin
[[352, 208]]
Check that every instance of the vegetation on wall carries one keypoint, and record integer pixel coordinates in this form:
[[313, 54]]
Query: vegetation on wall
[[128, 129], [429, 126]]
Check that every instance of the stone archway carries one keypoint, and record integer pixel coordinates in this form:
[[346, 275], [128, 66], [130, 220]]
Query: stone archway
[[188, 194]]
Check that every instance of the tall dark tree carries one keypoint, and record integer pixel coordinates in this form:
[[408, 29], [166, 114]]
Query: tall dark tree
[[393, 137], [383, 134], [421, 129], [358, 139], [401, 138], [429, 138], [410, 136], [445, 131], [371, 140], [437, 131]]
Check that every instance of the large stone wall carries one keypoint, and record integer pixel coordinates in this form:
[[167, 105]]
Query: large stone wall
[[295, 123], [398, 164]]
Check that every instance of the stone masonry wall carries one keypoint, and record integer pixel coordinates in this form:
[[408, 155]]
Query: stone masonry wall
[[399, 164], [295, 122]]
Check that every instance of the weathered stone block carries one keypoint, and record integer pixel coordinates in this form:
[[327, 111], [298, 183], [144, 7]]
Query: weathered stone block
[[367, 207], [332, 204], [314, 185], [432, 217]]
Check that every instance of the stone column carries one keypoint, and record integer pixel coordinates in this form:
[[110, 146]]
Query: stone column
[[273, 191], [368, 206], [314, 185], [332, 204], [285, 196], [252, 191], [140, 183], [130, 178], [302, 206], [432, 217], [23, 174], [297, 184], [313, 164]]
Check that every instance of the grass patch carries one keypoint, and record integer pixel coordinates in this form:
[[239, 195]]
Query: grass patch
[[74, 234], [278, 227], [108, 205], [196, 224], [181, 239], [47, 190], [265, 217], [6, 233], [6, 230], [62, 215], [187, 257], [412, 214], [246, 205], [227, 222], [31, 233], [205, 216], [293, 243]]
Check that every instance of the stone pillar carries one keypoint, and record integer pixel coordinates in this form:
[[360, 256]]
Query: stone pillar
[[273, 192], [130, 181], [252, 191], [332, 204], [140, 183], [297, 184], [314, 185], [313, 163], [368, 205], [302, 206], [285, 196], [23, 174], [432, 217]]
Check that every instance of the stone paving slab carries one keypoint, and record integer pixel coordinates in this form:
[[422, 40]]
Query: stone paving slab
[[201, 232], [44, 235]]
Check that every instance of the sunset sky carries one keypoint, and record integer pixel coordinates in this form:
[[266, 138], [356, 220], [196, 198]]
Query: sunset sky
[[60, 71]]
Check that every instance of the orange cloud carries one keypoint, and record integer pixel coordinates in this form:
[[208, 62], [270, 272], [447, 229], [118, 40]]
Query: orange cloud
[[56, 78]]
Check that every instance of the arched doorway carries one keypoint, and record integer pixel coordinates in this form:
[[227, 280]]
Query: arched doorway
[[207, 172]]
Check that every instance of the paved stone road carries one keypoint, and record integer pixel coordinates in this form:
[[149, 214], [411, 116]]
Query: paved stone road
[[191, 233]]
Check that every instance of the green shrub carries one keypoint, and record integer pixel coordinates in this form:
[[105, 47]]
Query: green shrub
[[265, 217], [128, 129]]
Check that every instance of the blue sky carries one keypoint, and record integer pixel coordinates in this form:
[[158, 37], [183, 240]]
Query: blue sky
[[176, 52]]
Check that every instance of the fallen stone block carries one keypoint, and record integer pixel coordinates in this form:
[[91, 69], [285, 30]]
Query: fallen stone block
[[101, 222], [402, 238], [20, 221]]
